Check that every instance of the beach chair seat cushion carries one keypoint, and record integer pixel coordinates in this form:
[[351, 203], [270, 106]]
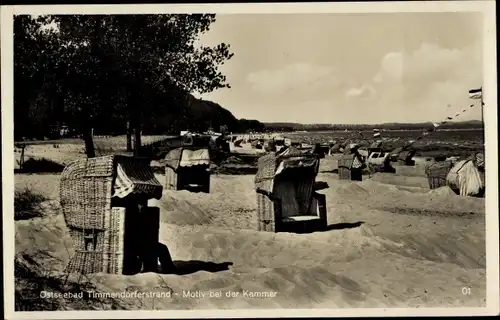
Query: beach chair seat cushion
[[301, 218]]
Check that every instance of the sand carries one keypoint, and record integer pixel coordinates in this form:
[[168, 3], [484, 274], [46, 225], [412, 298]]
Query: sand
[[391, 242]]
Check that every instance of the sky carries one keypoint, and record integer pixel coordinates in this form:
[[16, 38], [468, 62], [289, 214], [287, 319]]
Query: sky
[[350, 68]]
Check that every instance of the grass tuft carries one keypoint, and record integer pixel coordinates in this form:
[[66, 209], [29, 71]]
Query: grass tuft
[[27, 204]]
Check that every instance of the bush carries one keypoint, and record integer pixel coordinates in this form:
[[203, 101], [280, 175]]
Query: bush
[[27, 204], [41, 165]]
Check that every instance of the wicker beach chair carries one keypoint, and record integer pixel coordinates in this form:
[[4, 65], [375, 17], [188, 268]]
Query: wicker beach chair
[[347, 170], [188, 168], [437, 172], [287, 200], [405, 157], [345, 166], [104, 202]]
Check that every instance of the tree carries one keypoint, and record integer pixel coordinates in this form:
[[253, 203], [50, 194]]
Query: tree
[[33, 81], [152, 55], [163, 49], [121, 68]]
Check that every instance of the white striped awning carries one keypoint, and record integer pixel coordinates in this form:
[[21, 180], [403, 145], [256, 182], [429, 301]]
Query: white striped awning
[[136, 177], [187, 157], [194, 157], [356, 163], [480, 160]]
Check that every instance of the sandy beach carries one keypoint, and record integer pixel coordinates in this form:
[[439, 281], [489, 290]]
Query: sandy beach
[[390, 242]]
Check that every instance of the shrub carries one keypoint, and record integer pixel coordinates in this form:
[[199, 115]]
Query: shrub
[[27, 204], [41, 165]]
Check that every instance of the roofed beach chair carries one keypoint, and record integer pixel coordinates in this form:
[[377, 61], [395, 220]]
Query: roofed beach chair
[[188, 168], [436, 173], [405, 157], [105, 205], [465, 179], [287, 200], [349, 165]]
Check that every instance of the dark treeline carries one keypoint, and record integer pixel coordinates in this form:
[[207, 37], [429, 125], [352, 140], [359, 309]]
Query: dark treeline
[[117, 74], [385, 126]]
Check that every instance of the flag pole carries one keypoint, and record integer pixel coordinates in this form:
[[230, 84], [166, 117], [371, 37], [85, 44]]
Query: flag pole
[[482, 119], [482, 104]]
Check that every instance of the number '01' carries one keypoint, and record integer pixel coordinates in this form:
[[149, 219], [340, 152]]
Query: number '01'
[[465, 290]]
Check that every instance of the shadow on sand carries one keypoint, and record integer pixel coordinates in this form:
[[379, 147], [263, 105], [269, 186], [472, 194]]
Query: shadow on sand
[[344, 225], [178, 267], [192, 266], [336, 171]]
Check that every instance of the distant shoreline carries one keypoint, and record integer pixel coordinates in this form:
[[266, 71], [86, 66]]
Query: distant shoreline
[[383, 130]]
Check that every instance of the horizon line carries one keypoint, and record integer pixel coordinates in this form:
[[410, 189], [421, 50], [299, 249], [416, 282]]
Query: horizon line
[[365, 124]]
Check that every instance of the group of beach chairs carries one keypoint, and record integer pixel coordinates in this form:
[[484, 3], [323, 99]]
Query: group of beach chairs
[[105, 203]]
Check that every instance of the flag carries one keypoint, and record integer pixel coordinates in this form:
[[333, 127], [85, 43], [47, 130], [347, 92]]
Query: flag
[[435, 125], [476, 93]]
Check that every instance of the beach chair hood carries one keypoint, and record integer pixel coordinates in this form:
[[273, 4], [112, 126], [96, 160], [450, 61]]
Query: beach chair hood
[[465, 177], [135, 176], [346, 161], [87, 186], [273, 164], [187, 157]]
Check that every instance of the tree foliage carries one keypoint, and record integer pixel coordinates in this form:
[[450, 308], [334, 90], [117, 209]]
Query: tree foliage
[[111, 69]]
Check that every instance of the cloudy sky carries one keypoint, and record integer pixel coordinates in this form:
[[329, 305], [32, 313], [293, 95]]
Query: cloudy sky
[[350, 68]]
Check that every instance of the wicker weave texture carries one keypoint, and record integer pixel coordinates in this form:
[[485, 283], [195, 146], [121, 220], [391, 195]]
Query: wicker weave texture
[[436, 182], [267, 165], [170, 179], [437, 173], [344, 166], [270, 217], [107, 255], [267, 213], [98, 230], [269, 208], [344, 173], [85, 192]]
